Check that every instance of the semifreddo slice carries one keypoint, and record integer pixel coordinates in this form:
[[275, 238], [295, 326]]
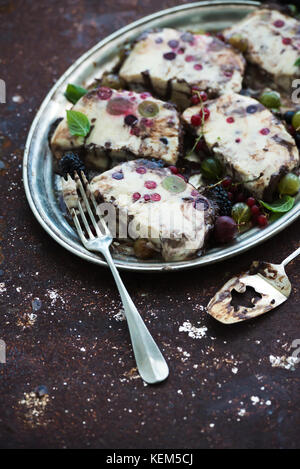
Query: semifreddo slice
[[148, 202], [123, 124], [251, 143], [171, 63], [272, 43]]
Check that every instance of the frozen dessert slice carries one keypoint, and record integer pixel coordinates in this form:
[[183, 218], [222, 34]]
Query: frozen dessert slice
[[124, 125], [272, 43], [153, 204], [251, 143], [170, 63]]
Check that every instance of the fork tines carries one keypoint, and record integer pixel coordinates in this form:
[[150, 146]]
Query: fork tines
[[86, 212]]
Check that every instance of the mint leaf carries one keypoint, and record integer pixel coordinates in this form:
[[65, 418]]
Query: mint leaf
[[74, 93], [280, 206], [78, 123], [297, 63]]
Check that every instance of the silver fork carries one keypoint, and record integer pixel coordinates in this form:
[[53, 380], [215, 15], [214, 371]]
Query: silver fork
[[150, 361]]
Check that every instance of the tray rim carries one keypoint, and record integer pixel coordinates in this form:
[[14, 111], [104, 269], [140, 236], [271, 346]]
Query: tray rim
[[229, 252]]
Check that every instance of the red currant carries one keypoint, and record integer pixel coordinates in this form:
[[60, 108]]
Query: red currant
[[226, 183], [255, 209], [173, 169], [262, 220], [196, 120], [251, 201], [195, 99]]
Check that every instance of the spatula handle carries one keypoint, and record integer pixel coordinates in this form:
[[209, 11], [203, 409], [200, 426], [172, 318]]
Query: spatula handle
[[291, 257]]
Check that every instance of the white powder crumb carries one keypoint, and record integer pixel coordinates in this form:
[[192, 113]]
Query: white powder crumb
[[2, 288], [185, 356], [82, 349], [180, 392], [54, 296], [120, 316], [242, 412], [235, 370], [17, 99], [212, 425], [286, 363], [193, 332], [268, 403], [255, 400]]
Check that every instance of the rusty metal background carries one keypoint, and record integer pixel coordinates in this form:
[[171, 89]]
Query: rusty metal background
[[60, 317]]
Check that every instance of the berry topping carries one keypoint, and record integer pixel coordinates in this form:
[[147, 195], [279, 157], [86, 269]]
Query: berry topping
[[198, 67], [251, 201], [155, 197], [203, 96], [189, 58], [70, 163], [194, 193], [148, 109], [164, 140], [286, 41], [230, 120], [118, 106], [196, 120], [262, 220], [225, 230], [159, 40], [187, 37], [255, 210], [251, 109], [170, 56], [150, 185], [288, 116], [270, 99], [279, 23], [174, 184], [173, 44], [147, 197], [237, 140], [219, 195], [118, 176], [195, 99], [181, 50], [201, 204], [228, 73], [241, 213], [173, 169], [289, 184], [211, 168], [130, 120], [226, 183], [136, 196], [141, 170], [265, 131], [145, 95], [104, 93]]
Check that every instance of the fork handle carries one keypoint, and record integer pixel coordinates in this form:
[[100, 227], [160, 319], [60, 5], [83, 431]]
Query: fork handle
[[291, 257], [150, 361]]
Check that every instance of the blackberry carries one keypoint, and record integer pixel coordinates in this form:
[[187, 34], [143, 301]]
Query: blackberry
[[219, 195], [70, 163]]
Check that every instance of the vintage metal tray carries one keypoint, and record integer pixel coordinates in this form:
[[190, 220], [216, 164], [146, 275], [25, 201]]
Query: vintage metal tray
[[42, 186]]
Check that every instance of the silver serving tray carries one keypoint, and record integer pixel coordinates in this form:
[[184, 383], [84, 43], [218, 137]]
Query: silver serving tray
[[42, 186]]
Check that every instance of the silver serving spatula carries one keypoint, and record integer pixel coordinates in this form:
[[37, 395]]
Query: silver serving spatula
[[268, 280]]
